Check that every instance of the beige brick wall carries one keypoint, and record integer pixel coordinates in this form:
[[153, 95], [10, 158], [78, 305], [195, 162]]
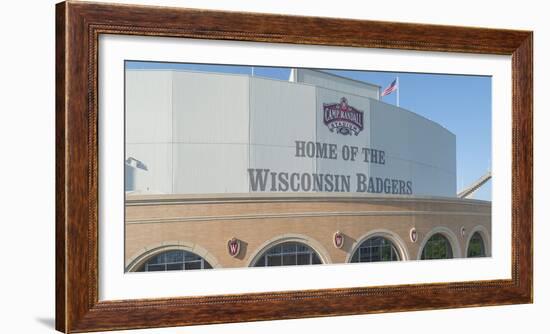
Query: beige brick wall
[[204, 225]]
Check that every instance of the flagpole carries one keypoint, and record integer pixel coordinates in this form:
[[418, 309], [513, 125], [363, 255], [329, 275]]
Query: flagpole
[[398, 89]]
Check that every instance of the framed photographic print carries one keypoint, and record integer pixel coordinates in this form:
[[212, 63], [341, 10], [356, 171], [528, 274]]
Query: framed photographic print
[[223, 166]]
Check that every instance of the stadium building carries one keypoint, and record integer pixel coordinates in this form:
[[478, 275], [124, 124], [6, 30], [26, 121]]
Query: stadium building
[[226, 170]]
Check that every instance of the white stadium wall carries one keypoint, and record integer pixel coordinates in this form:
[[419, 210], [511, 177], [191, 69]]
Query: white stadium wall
[[282, 114], [414, 145], [197, 133], [210, 127], [149, 130]]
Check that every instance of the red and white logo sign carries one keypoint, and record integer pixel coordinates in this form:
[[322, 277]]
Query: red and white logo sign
[[342, 117], [413, 234], [234, 247], [338, 239]]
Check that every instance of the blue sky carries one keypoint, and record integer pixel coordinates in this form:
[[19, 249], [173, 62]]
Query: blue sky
[[460, 103]]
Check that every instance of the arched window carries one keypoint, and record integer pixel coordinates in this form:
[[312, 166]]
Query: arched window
[[376, 249], [174, 260], [437, 247], [476, 247], [288, 254]]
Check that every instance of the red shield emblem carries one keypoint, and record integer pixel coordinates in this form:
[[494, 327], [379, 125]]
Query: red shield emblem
[[234, 246], [338, 240], [413, 234]]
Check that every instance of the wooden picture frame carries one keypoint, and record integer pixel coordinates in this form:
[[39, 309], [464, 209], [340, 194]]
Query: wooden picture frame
[[78, 27]]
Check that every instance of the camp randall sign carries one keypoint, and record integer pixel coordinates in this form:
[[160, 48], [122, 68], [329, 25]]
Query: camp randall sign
[[341, 119]]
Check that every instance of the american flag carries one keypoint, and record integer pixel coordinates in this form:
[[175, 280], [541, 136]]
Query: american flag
[[390, 89]]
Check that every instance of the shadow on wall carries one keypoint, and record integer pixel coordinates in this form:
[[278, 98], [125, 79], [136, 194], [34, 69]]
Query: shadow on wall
[[243, 251], [48, 322], [349, 242]]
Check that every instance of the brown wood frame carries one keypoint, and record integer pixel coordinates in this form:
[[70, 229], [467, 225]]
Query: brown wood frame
[[78, 26]]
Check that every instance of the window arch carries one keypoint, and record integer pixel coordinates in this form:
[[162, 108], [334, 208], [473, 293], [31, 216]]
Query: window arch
[[175, 259], [476, 246], [437, 247], [290, 253], [376, 249]]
